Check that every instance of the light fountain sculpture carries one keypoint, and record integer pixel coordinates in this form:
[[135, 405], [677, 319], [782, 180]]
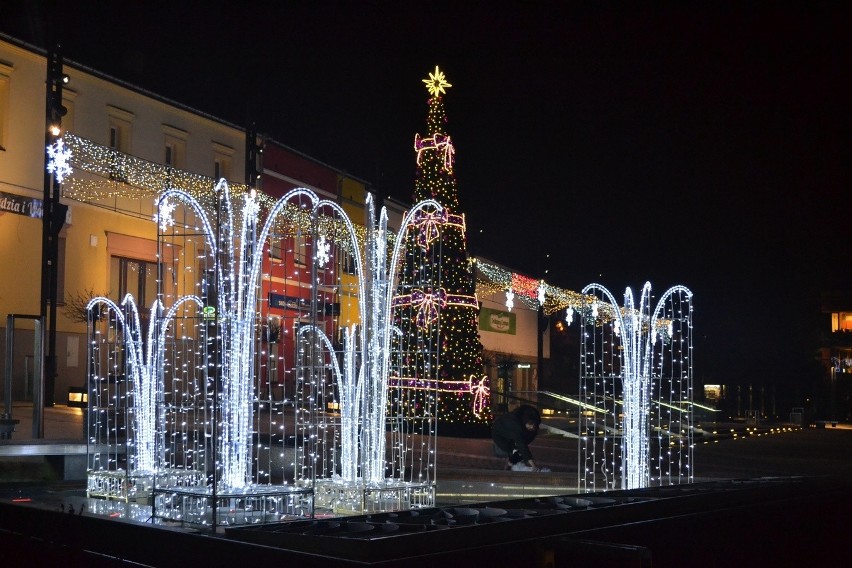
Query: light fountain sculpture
[[195, 371], [123, 457], [230, 281], [217, 433], [365, 479], [636, 428]]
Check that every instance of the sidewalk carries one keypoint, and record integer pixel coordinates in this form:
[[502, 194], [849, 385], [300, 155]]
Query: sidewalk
[[61, 423]]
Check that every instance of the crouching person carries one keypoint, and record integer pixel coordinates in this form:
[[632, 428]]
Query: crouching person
[[512, 434]]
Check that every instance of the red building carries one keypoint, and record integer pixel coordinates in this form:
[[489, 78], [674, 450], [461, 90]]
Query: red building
[[289, 271]]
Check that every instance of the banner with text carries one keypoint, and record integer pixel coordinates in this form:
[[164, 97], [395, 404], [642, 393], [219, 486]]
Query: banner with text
[[20, 205]]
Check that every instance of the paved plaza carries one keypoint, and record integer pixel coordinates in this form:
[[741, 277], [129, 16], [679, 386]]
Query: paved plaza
[[764, 496], [468, 471]]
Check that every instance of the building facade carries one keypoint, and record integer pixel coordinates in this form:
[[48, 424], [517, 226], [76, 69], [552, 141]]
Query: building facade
[[127, 146], [834, 394]]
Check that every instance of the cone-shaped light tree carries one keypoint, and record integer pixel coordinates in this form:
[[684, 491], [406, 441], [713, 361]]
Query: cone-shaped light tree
[[450, 304]]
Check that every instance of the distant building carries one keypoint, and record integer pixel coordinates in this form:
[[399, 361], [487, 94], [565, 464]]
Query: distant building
[[835, 392]]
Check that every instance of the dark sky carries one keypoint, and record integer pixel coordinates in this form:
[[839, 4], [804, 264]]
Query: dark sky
[[703, 144]]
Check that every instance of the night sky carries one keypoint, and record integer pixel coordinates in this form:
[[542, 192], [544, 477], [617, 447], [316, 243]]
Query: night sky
[[701, 144]]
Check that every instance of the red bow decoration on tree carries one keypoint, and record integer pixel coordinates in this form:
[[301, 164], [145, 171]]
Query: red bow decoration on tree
[[429, 226], [427, 304], [480, 392], [439, 142]]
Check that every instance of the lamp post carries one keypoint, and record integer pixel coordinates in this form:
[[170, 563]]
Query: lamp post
[[53, 218]]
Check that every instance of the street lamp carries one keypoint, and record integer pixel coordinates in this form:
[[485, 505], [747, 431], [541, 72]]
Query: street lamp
[[53, 218]]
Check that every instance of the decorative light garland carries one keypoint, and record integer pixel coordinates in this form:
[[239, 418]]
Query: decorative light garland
[[492, 279], [128, 176], [121, 175]]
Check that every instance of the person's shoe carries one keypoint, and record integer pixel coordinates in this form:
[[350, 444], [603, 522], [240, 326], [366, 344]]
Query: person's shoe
[[521, 466]]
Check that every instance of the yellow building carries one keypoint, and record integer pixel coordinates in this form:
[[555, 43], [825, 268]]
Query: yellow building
[[127, 145]]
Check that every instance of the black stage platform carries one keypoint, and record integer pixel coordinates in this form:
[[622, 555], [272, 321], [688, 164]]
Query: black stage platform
[[750, 522]]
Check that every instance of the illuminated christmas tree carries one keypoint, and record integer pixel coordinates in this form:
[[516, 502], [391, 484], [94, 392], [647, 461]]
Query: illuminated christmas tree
[[449, 307]]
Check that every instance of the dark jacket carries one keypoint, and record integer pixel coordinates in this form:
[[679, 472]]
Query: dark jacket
[[509, 433]]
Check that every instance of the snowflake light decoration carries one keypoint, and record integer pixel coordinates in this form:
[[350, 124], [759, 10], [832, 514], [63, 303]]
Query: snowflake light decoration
[[510, 299], [164, 217], [59, 160], [323, 250]]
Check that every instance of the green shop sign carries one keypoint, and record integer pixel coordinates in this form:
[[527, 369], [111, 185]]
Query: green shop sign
[[496, 321]]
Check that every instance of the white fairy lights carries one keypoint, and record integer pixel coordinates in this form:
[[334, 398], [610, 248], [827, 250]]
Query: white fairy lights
[[174, 378], [638, 367]]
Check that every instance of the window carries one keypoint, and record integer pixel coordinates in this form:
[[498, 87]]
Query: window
[[276, 246], [68, 98], [348, 263], [841, 321], [300, 248], [222, 159], [279, 247], [174, 144], [120, 121], [136, 277], [5, 72]]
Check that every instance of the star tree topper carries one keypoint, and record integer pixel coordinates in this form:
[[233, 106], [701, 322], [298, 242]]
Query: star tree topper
[[436, 84]]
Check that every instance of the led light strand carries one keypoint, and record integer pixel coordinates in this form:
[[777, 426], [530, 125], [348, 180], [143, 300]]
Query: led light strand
[[643, 393]]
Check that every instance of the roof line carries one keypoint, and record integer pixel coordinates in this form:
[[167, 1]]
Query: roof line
[[143, 91]]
